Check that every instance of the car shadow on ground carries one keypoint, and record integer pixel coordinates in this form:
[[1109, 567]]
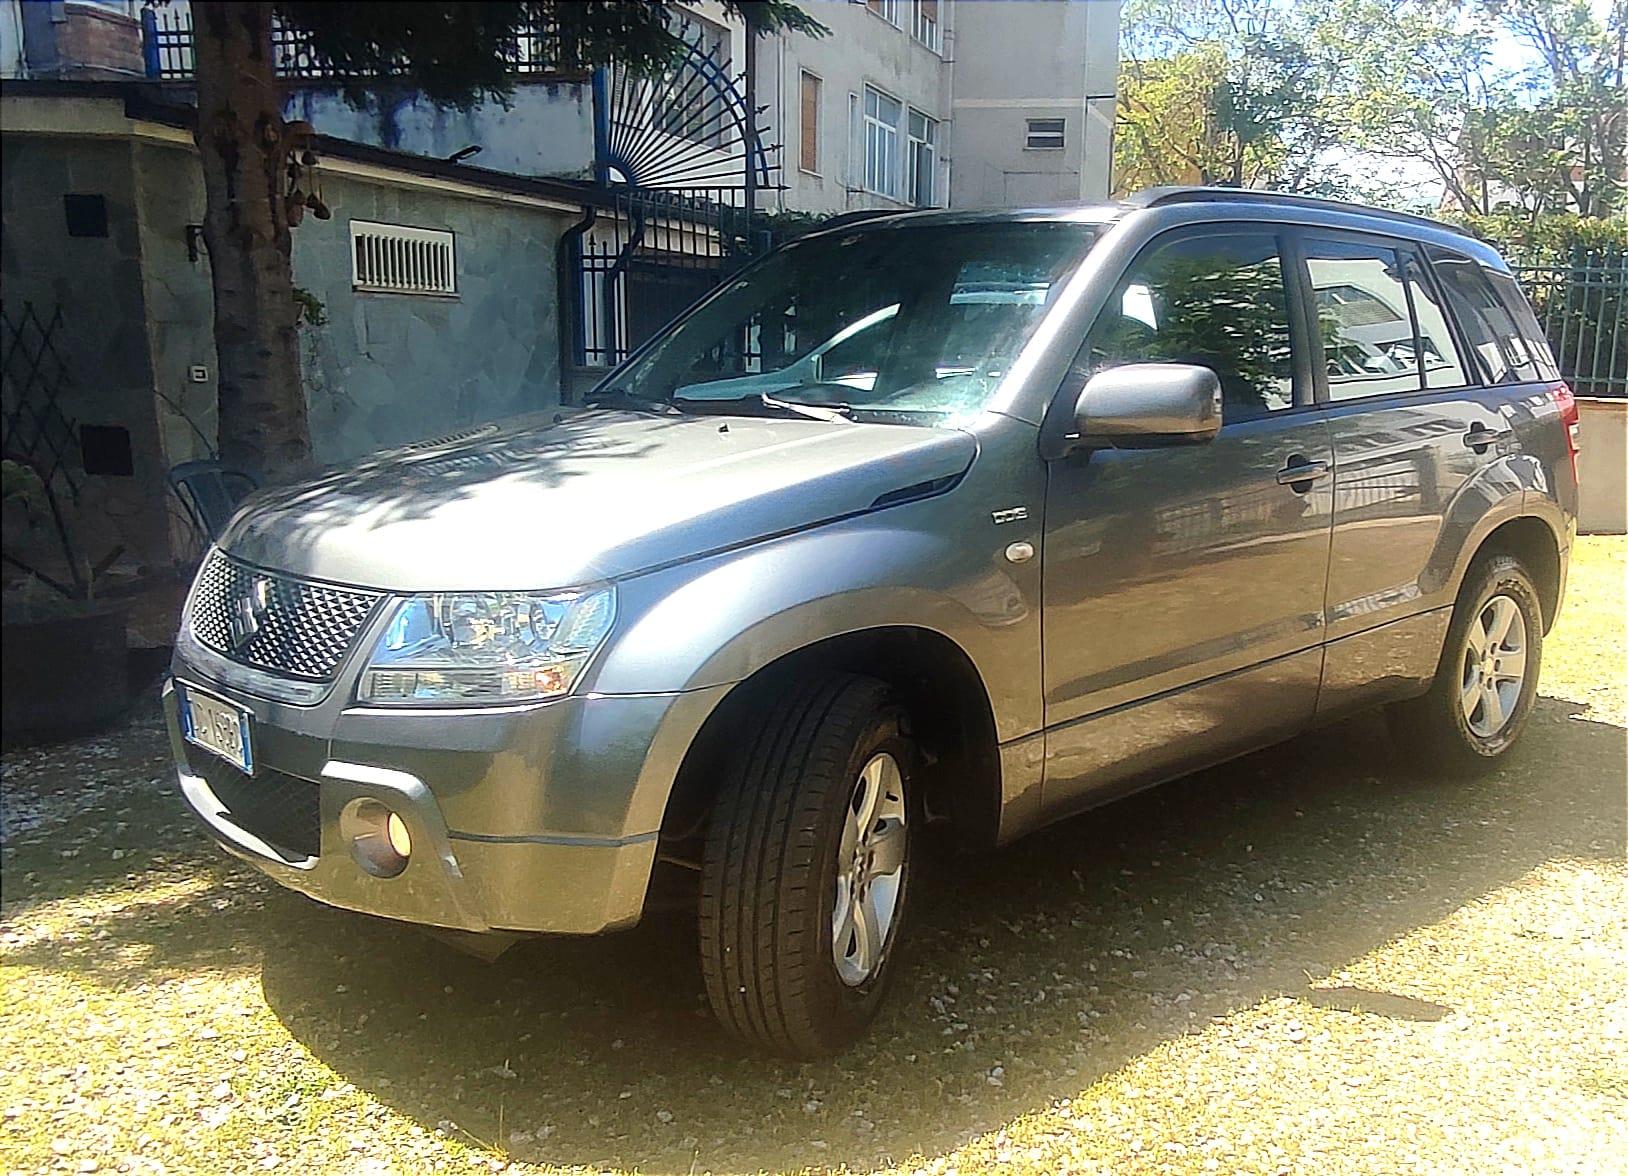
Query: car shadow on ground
[[1031, 972], [1055, 961]]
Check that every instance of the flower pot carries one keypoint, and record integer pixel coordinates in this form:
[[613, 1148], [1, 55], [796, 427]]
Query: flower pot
[[64, 674]]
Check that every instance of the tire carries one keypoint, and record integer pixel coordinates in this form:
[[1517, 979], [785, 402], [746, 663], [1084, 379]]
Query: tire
[[777, 851], [1452, 726]]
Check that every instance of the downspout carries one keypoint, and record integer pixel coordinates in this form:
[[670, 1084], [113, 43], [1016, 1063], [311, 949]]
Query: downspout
[[567, 278]]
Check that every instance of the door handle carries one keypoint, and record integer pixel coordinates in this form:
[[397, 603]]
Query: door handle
[[1481, 438], [1300, 474]]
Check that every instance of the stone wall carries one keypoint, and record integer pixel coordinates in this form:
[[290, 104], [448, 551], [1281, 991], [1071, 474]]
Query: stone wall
[[384, 369], [97, 282]]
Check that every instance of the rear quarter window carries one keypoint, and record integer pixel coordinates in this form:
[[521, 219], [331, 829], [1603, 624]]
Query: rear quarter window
[[1501, 347], [1514, 300]]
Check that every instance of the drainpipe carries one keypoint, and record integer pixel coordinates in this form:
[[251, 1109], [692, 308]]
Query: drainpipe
[[752, 146], [567, 278]]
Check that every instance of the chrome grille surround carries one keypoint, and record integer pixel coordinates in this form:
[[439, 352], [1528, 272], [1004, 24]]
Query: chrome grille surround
[[301, 628]]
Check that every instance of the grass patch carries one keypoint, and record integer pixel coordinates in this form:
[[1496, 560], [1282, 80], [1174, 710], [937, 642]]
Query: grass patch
[[1310, 959]]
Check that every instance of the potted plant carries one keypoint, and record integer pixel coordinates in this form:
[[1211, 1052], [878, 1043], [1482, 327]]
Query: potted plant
[[63, 653]]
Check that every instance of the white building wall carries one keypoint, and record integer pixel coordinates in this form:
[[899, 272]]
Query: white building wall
[[863, 49], [11, 39], [1023, 59]]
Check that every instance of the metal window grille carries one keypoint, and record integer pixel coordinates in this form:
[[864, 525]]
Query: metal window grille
[[400, 259], [1045, 134], [167, 41]]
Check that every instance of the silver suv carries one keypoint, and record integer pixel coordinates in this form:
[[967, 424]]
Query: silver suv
[[971, 519]]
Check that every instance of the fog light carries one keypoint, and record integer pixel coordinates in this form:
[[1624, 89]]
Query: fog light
[[378, 838], [395, 831]]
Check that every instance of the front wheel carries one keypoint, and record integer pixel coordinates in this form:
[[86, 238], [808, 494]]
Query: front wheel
[[1488, 676], [807, 867]]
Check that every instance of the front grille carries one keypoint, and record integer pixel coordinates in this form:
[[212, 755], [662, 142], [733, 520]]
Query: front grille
[[279, 809], [289, 626]]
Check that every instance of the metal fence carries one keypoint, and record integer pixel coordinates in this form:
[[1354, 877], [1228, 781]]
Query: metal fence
[[167, 50], [637, 266], [1583, 307]]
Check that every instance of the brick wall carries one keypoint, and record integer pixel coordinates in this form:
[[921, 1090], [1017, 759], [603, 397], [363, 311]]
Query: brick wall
[[96, 43]]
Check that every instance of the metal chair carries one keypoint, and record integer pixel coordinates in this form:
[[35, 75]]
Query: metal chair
[[211, 492]]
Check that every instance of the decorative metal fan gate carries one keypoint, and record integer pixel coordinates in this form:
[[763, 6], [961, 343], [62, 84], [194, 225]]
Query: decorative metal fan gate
[[683, 159]]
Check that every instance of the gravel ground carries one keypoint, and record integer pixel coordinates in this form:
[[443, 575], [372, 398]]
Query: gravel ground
[[1309, 960]]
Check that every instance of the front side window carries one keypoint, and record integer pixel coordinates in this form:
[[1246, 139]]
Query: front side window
[[1363, 317], [1216, 300], [908, 326], [882, 115], [922, 159]]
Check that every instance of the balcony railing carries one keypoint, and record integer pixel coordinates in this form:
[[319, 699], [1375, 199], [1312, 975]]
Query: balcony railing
[[167, 51]]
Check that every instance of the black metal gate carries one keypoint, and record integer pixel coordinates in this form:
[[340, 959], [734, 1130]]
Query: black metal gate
[[681, 159]]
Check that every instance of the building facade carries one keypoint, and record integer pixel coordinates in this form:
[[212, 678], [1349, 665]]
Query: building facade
[[942, 103], [907, 103]]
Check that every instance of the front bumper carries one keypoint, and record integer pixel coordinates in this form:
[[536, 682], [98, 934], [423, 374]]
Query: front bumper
[[541, 818]]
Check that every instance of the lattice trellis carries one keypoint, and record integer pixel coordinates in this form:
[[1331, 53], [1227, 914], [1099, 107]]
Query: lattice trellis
[[33, 380]]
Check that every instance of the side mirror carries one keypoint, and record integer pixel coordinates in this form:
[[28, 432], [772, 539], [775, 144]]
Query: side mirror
[[1143, 405]]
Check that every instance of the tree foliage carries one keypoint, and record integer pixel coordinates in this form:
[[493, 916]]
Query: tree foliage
[[1264, 93], [1222, 91], [457, 55]]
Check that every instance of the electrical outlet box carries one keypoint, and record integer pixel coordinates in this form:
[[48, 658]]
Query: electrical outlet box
[[198, 374]]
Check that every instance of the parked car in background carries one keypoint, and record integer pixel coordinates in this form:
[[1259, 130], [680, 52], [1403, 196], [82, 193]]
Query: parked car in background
[[980, 520]]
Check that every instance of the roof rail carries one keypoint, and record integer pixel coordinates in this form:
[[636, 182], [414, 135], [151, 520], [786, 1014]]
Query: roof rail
[[845, 219], [1192, 194]]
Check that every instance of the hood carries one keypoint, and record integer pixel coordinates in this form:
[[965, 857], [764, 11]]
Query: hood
[[546, 502]]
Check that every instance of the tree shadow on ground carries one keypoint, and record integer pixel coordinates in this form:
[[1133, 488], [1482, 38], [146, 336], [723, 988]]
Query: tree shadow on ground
[[1056, 961]]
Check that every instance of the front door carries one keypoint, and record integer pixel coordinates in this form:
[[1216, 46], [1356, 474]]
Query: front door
[[1183, 586]]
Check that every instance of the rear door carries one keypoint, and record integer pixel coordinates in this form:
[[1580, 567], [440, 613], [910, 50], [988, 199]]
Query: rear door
[[1183, 586], [1417, 436]]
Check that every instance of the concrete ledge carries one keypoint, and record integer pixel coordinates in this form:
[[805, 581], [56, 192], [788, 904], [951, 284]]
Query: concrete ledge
[[1602, 466]]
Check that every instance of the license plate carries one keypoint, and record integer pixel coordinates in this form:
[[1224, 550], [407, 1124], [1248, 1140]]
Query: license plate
[[217, 726]]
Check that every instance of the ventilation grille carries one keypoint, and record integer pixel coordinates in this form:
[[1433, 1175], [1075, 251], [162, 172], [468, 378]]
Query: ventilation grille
[[399, 259]]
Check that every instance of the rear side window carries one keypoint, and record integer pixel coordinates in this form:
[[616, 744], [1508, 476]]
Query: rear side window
[[1500, 346], [1369, 344], [1439, 359], [1216, 300]]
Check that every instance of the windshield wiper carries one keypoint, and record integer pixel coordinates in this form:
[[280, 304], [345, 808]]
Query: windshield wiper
[[619, 398], [823, 411]]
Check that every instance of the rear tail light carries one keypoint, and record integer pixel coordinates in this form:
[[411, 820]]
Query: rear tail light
[[1569, 417]]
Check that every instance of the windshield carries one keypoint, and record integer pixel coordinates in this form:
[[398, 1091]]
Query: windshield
[[913, 325]]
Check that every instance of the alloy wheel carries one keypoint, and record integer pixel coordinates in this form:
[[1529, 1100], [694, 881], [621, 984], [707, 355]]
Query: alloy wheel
[[870, 870], [1494, 666]]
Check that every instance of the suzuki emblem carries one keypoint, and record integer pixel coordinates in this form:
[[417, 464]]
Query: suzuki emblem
[[249, 610]]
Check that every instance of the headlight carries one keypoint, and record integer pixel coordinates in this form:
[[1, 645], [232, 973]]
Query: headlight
[[486, 647]]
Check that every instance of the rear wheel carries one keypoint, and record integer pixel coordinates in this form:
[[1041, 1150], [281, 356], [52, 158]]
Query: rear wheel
[[807, 867], [1484, 687]]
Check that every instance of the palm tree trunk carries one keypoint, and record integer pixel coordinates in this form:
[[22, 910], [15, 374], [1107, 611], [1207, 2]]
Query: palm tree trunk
[[241, 139]]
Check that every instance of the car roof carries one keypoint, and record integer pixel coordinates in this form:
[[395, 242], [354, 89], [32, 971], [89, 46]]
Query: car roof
[[1189, 204]]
